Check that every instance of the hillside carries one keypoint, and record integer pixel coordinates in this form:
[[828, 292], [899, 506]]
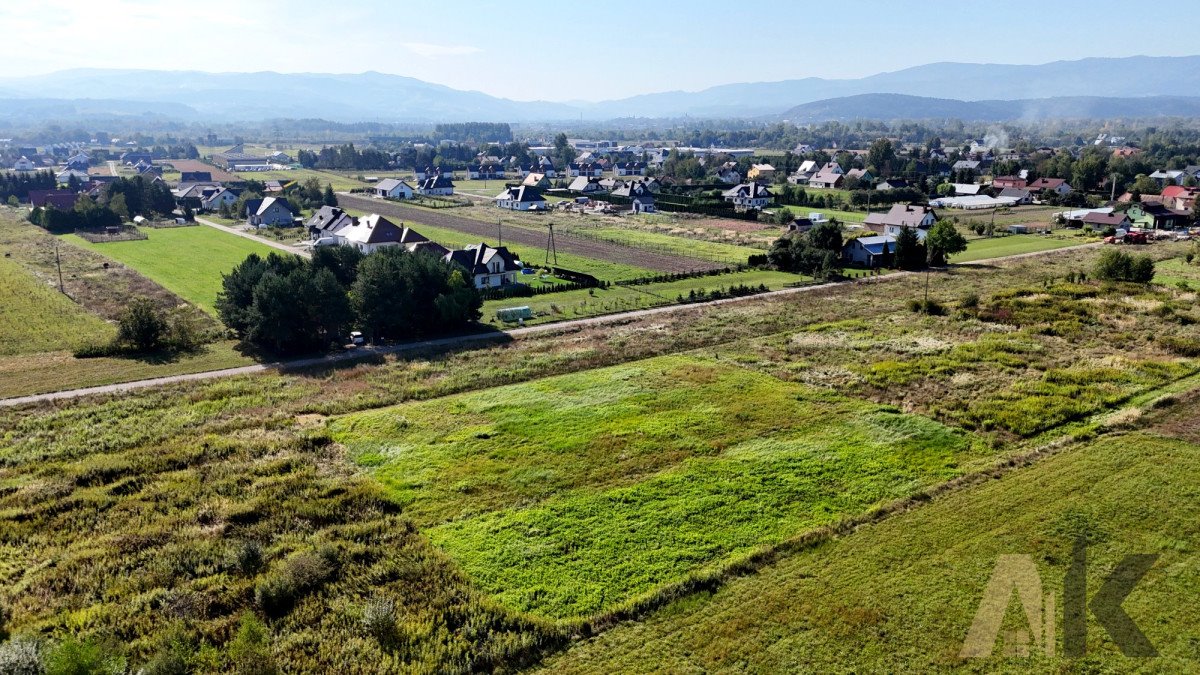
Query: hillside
[[889, 107]]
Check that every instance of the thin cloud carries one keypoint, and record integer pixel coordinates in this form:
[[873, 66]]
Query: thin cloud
[[431, 51]]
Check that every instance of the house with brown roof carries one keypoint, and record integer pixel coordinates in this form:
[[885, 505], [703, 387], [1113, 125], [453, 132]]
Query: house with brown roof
[[919, 217], [829, 176], [63, 200], [1059, 185], [1001, 182], [1099, 220]]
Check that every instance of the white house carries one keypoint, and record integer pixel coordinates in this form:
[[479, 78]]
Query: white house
[[23, 165], [631, 169], [214, 200], [748, 196], [913, 216], [489, 267], [371, 233], [393, 188], [436, 186], [639, 196], [520, 198], [268, 212]]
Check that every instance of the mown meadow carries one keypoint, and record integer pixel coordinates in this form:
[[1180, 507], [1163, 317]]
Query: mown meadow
[[270, 521]]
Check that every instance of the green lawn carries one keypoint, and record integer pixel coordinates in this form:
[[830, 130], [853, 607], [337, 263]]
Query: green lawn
[[1013, 244], [569, 496], [35, 317], [1177, 271], [577, 304], [682, 246], [900, 596], [340, 180], [188, 261]]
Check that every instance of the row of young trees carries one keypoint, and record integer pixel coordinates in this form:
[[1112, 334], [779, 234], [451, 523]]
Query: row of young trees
[[289, 305]]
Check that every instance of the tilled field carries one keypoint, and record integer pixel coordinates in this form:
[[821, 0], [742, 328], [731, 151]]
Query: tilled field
[[589, 248]]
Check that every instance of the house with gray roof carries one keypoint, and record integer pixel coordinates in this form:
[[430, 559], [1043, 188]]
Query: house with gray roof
[[489, 267]]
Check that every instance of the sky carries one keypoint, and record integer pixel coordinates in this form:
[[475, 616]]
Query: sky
[[563, 50]]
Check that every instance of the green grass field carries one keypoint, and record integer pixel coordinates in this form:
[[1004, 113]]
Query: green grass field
[[188, 261], [570, 496], [696, 248], [582, 303], [340, 180], [995, 247], [35, 317], [900, 596], [1177, 271]]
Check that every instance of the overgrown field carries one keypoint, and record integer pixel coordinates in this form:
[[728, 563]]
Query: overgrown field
[[188, 261], [677, 449], [570, 496], [900, 596], [35, 317]]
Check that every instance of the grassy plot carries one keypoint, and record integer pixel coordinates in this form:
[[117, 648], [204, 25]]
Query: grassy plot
[[900, 596], [695, 248], [569, 496], [995, 247], [35, 317], [188, 261], [341, 181], [594, 302], [1177, 271]]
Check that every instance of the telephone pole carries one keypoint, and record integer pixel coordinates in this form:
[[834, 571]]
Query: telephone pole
[[58, 264], [499, 233]]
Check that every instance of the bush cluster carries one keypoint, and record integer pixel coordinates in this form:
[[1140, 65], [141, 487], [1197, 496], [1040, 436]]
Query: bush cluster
[[1116, 265], [144, 328]]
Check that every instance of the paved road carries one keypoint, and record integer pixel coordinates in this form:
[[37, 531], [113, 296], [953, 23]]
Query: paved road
[[533, 241], [359, 354], [262, 240]]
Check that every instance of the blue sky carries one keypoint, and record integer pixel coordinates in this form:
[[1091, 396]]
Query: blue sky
[[535, 49]]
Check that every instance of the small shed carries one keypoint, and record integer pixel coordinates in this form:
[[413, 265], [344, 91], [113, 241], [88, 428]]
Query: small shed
[[513, 314]]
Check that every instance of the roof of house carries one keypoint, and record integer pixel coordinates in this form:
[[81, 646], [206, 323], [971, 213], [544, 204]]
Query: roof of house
[[857, 173], [532, 179], [64, 200], [330, 219], [262, 206], [1018, 193], [830, 173], [476, 257], [748, 191], [762, 167], [1158, 209], [875, 245], [901, 215], [582, 183], [389, 184], [1047, 183], [375, 229], [1173, 191], [637, 191], [894, 183], [521, 193], [435, 182], [1095, 218]]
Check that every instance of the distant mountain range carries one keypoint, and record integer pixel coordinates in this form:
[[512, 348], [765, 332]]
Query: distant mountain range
[[890, 107], [1097, 83]]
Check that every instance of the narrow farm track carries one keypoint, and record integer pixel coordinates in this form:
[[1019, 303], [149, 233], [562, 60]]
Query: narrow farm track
[[474, 337], [588, 248]]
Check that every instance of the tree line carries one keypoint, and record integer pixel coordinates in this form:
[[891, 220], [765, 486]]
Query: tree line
[[285, 304]]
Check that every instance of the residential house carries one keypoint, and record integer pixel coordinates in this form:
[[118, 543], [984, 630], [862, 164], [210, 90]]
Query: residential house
[[546, 165], [195, 177], [371, 233], [1175, 176], [893, 184], [585, 186], [24, 165], [1059, 185], [639, 196], [432, 172], [967, 164], [861, 174], [761, 172], [79, 162], [392, 188], [807, 169], [1179, 197], [220, 196], [914, 216], [63, 200], [631, 169], [587, 170], [870, 252], [1099, 220], [64, 176], [489, 267], [133, 158], [536, 180], [1156, 216], [327, 221], [1001, 182], [522, 198], [268, 212], [748, 196], [800, 225], [1022, 195], [273, 187], [829, 176], [485, 172], [437, 186]]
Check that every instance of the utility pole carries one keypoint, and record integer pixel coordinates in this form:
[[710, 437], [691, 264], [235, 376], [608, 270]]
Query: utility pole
[[551, 248], [58, 264], [499, 232]]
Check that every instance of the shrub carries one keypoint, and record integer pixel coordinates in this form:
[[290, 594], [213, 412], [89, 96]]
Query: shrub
[[247, 557], [142, 326], [969, 301], [21, 655], [82, 657], [379, 618], [250, 651], [5, 617], [1189, 347], [302, 573], [1114, 265]]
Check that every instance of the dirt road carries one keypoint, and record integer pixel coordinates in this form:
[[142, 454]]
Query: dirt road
[[530, 240]]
